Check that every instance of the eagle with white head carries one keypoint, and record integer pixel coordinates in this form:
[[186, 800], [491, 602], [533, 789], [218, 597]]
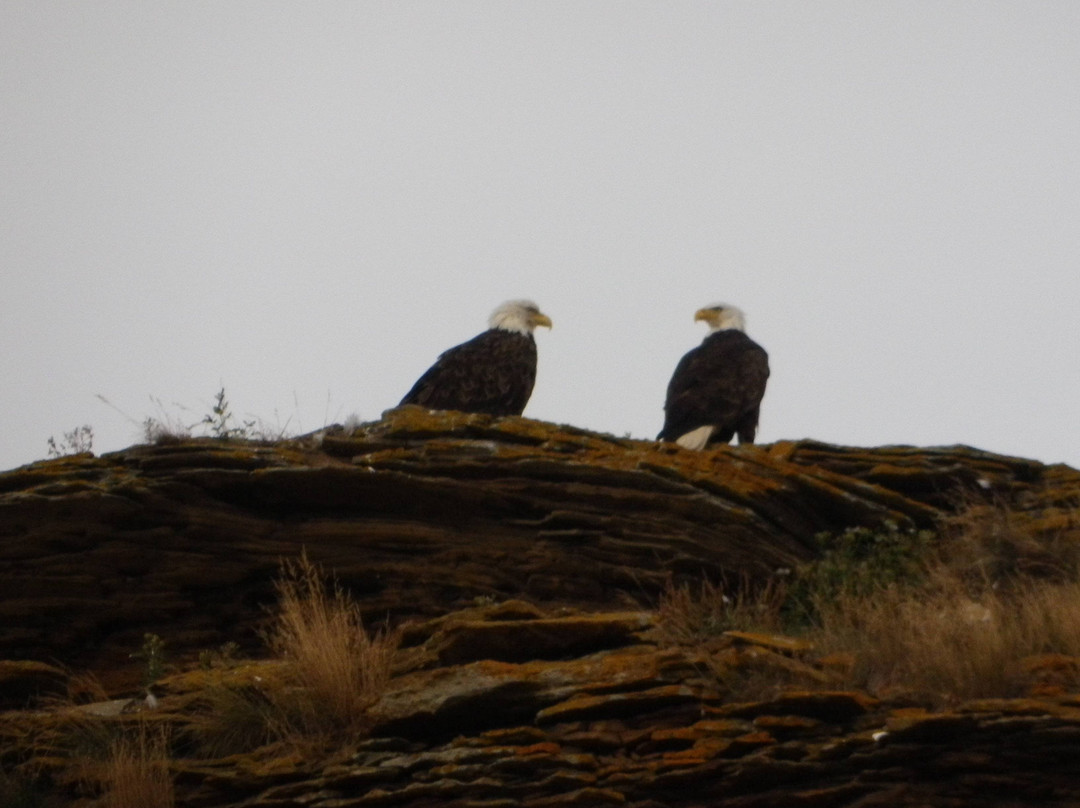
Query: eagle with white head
[[492, 373], [716, 390]]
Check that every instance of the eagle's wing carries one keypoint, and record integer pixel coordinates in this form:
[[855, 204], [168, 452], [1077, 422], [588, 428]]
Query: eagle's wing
[[493, 372], [719, 384]]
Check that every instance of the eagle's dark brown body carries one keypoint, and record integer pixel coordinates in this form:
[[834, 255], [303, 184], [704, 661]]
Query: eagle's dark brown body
[[720, 383], [492, 373]]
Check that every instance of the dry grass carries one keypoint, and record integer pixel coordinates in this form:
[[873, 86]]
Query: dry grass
[[697, 617], [135, 771], [940, 643], [237, 719], [988, 543], [687, 615], [943, 620], [993, 591], [335, 670], [82, 688]]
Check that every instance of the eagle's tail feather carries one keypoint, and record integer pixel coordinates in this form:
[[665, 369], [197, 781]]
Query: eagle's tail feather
[[696, 438]]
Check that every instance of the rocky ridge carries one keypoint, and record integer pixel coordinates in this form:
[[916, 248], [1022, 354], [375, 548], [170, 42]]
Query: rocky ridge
[[524, 560]]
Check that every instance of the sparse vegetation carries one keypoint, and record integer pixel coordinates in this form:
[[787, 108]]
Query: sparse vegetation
[[989, 594], [177, 422], [939, 642], [77, 441], [237, 719], [689, 615], [222, 656], [163, 427], [135, 772], [84, 687], [152, 654], [987, 544], [121, 759], [221, 421], [168, 426], [315, 697], [944, 617]]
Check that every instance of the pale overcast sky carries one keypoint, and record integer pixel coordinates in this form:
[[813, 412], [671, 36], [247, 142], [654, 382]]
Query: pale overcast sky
[[308, 202]]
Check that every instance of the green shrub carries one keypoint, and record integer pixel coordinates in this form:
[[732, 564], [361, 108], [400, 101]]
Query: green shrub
[[857, 563]]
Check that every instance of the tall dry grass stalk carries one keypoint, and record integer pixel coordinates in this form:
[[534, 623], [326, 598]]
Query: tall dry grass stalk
[[335, 670], [135, 771]]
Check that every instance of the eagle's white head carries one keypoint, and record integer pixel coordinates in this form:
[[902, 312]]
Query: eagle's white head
[[721, 316], [519, 316]]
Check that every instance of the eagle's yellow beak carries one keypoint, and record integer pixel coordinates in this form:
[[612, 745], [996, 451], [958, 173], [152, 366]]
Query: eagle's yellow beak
[[539, 319], [708, 315]]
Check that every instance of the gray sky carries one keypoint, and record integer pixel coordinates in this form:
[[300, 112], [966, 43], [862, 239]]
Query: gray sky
[[308, 202]]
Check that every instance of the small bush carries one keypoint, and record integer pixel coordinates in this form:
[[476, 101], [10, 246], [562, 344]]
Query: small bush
[[857, 563], [335, 671], [152, 655], [222, 422]]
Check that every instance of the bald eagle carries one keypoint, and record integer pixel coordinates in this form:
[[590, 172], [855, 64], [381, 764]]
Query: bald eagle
[[493, 372], [716, 389]]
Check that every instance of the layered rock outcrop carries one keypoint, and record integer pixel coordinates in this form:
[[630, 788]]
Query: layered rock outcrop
[[525, 559], [647, 726]]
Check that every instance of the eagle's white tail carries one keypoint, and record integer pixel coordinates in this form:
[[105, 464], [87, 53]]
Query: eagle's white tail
[[696, 438]]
